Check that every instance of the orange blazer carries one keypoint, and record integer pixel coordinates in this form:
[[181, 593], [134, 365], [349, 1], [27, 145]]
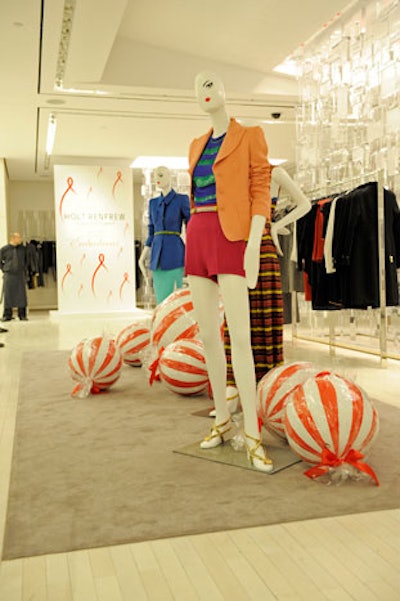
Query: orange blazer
[[242, 175]]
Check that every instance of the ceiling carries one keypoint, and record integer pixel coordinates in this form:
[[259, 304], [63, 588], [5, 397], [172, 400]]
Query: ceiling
[[118, 75]]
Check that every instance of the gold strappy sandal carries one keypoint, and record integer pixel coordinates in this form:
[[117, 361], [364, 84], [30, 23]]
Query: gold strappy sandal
[[216, 436], [257, 455]]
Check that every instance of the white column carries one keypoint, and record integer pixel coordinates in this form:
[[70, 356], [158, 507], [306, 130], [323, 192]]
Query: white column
[[3, 214]]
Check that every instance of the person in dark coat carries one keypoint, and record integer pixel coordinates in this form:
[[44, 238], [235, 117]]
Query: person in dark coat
[[13, 264]]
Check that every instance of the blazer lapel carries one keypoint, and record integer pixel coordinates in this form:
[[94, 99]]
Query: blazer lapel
[[231, 141]]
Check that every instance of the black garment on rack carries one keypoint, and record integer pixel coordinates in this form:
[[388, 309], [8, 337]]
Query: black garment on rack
[[355, 246], [35, 277], [138, 273], [356, 283], [325, 293], [49, 257]]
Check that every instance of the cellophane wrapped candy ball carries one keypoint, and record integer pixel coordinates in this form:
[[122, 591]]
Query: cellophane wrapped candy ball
[[273, 390], [182, 367], [132, 341], [330, 422], [173, 319], [95, 363]]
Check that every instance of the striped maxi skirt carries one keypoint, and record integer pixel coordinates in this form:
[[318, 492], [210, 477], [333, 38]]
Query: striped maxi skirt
[[266, 315]]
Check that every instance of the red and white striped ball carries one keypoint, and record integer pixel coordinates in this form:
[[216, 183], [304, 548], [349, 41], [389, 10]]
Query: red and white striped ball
[[173, 319], [273, 390], [96, 364], [182, 367], [329, 412], [132, 341]]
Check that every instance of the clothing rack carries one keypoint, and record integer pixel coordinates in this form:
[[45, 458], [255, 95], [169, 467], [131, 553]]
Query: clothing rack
[[379, 177], [349, 183]]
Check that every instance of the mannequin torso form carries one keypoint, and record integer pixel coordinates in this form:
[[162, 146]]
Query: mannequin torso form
[[281, 179]]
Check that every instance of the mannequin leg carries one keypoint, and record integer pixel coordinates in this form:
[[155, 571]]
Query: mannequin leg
[[236, 304], [165, 281], [178, 277], [237, 312], [205, 302]]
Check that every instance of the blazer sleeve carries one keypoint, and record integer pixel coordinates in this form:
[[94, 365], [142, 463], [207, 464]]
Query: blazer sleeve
[[185, 208], [260, 174]]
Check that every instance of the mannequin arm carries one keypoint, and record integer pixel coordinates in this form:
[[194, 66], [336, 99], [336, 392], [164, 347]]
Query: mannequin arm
[[252, 252], [143, 262], [282, 178]]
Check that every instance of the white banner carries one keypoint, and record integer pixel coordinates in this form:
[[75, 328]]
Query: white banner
[[95, 239]]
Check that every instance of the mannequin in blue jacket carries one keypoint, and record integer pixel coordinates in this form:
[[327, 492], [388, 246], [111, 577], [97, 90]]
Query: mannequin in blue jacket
[[164, 245]]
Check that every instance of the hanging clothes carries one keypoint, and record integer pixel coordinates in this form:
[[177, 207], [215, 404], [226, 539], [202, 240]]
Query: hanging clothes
[[352, 278], [355, 247]]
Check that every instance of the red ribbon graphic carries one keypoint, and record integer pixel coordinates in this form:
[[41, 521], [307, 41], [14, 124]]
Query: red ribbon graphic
[[118, 179], [124, 281], [68, 272], [330, 460], [101, 264], [70, 183]]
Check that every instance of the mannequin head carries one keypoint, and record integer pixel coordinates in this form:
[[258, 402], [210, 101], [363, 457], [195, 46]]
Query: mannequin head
[[210, 92], [162, 178]]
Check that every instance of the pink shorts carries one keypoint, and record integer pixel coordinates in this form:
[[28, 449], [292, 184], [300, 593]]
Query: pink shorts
[[208, 251]]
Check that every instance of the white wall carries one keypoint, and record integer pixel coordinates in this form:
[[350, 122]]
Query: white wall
[[3, 213], [3, 203]]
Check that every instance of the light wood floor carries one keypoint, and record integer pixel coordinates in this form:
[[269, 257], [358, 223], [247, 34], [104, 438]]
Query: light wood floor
[[350, 558]]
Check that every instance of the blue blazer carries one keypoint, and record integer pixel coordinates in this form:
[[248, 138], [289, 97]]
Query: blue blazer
[[166, 216]]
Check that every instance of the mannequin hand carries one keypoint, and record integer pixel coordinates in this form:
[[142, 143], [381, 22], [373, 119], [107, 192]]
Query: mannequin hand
[[274, 235], [143, 263], [252, 264]]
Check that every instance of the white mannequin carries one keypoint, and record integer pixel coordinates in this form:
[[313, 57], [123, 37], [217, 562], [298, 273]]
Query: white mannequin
[[279, 179], [162, 180], [234, 291]]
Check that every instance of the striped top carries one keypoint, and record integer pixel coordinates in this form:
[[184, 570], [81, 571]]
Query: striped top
[[204, 190]]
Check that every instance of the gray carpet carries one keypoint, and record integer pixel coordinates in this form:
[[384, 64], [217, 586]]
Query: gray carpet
[[102, 471]]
